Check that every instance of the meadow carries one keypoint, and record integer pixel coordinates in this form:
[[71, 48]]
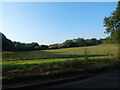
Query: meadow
[[98, 50], [46, 63]]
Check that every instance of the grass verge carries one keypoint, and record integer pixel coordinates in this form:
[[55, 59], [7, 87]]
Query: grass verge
[[55, 69]]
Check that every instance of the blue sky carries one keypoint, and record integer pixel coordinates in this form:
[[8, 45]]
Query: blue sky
[[48, 23]]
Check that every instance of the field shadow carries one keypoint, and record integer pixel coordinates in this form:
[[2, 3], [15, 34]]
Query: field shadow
[[33, 55]]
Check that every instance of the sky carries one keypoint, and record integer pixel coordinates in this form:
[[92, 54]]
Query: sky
[[54, 22]]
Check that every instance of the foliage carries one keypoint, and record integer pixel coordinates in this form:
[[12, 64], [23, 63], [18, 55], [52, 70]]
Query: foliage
[[80, 42], [112, 24], [41, 47], [24, 46], [8, 45]]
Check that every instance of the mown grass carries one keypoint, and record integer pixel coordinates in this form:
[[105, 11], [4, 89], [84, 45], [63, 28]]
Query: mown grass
[[46, 63]]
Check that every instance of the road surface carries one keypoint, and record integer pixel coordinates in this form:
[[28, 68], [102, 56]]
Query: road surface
[[106, 80]]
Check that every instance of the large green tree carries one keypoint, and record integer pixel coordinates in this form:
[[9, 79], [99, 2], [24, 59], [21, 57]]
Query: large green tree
[[112, 24]]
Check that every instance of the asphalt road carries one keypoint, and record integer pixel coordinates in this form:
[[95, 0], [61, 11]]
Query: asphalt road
[[106, 80]]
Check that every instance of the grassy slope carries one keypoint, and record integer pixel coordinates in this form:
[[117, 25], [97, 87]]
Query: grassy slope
[[62, 53], [57, 61]]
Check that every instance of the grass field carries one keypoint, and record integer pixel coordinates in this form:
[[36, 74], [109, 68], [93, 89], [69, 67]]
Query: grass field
[[99, 50], [19, 65]]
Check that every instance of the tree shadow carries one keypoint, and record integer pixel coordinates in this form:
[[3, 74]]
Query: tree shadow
[[33, 55]]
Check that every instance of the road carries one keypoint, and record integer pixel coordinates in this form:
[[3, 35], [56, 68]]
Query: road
[[106, 80]]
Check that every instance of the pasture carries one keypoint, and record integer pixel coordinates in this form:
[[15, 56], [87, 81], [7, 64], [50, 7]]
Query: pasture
[[33, 64], [99, 50]]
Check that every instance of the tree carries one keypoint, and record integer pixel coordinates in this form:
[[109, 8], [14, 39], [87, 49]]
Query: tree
[[80, 42], [69, 43], [7, 44], [43, 47], [112, 24], [53, 46]]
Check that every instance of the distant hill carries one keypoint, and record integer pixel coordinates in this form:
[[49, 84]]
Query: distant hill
[[7, 44]]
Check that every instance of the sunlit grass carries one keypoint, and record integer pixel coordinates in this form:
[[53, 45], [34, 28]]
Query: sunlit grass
[[42, 61], [105, 49], [58, 61]]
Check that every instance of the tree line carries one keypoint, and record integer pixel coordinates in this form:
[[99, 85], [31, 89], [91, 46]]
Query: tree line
[[8, 45], [80, 42]]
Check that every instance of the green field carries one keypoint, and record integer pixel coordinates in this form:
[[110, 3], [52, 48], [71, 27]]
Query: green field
[[99, 50], [19, 65]]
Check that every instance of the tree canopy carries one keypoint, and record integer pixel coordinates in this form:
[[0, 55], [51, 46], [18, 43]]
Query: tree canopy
[[80, 42], [8, 45], [112, 24]]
